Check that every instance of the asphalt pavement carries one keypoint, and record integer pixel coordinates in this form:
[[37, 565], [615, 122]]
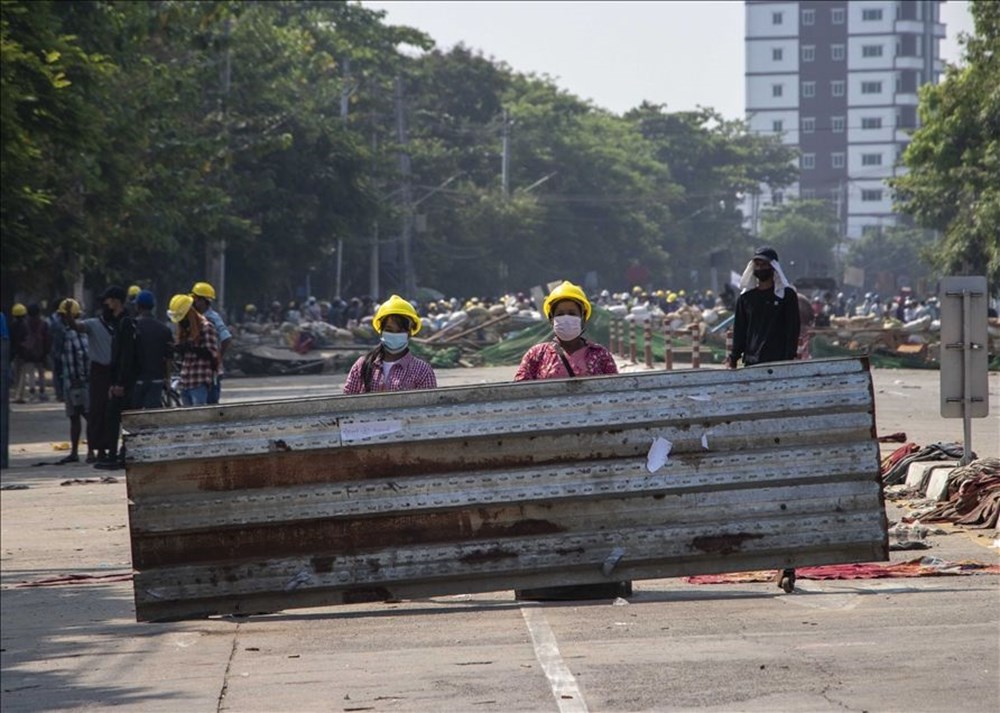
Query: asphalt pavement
[[69, 640]]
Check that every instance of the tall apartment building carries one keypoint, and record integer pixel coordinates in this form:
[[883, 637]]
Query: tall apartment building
[[839, 81]]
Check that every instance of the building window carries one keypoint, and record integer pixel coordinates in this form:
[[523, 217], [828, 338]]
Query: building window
[[808, 160], [808, 17], [776, 18], [837, 16], [837, 52], [871, 194], [837, 159], [777, 126], [808, 89], [776, 54], [808, 53], [871, 159], [837, 124], [871, 122], [871, 87], [808, 194], [777, 90], [871, 50], [808, 124], [837, 87], [869, 14]]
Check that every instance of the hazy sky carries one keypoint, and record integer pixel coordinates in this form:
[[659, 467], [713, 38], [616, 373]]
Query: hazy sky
[[617, 54]]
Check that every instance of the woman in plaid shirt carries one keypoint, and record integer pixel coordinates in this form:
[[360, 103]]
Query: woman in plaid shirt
[[569, 355], [198, 343], [390, 366]]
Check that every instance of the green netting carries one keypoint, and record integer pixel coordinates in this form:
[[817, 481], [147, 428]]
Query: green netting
[[821, 347], [509, 351]]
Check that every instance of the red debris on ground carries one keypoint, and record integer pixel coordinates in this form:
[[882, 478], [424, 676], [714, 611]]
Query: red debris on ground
[[920, 567]]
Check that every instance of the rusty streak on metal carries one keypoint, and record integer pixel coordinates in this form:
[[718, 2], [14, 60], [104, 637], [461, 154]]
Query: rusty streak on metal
[[723, 544]]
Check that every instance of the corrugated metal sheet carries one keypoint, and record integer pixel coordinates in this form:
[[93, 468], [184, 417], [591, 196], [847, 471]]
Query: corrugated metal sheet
[[282, 504]]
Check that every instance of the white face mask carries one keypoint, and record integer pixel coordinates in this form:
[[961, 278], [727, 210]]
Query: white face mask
[[567, 327], [395, 342]]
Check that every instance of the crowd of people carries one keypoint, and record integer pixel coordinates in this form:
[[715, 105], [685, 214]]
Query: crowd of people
[[120, 358]]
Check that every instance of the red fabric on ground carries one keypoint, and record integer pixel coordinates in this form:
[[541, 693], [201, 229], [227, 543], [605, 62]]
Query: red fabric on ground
[[919, 567]]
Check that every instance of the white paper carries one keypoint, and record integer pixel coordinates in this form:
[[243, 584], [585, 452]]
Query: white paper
[[657, 456], [704, 440], [699, 397], [368, 429]]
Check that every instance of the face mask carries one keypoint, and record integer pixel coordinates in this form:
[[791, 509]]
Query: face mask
[[764, 274], [395, 342], [107, 313], [567, 327]]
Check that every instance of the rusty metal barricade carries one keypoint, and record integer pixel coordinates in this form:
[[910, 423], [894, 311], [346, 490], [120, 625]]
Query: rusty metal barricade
[[259, 507]]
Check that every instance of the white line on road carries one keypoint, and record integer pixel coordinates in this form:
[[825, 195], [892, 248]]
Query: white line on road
[[564, 687]]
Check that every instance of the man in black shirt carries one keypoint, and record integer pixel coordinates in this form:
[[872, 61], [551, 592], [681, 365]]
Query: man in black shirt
[[154, 346], [766, 327]]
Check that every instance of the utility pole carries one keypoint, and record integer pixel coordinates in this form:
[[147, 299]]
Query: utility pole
[[505, 156], [215, 257], [409, 275], [345, 101]]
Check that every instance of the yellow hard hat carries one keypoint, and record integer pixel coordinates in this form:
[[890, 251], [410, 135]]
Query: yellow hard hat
[[134, 290], [69, 306], [180, 305], [396, 305], [18, 310], [566, 291], [680, 293], [250, 308], [203, 289], [636, 289], [671, 297]]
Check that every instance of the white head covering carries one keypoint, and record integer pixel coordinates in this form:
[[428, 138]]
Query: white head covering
[[749, 282]]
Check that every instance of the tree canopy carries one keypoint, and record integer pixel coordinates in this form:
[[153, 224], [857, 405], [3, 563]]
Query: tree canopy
[[953, 183], [140, 139]]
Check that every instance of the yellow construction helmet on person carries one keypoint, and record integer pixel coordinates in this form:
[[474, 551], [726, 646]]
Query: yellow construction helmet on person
[[203, 289], [567, 291], [396, 305], [179, 306]]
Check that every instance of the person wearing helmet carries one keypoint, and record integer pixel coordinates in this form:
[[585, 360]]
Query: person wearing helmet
[[390, 366], [198, 344], [154, 348], [31, 348], [569, 355], [18, 315], [130, 306], [75, 376], [203, 294]]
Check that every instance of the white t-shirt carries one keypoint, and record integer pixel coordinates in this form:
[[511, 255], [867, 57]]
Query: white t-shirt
[[386, 366]]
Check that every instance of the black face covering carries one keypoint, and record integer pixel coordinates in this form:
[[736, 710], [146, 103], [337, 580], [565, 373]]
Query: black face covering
[[764, 274], [107, 313]]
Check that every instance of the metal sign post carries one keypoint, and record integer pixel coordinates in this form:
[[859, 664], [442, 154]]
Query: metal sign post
[[964, 383]]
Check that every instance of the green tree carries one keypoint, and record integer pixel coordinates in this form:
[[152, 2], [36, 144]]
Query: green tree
[[804, 233], [953, 183], [907, 253]]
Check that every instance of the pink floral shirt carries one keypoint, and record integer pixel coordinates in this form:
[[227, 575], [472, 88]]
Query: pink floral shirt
[[407, 374], [542, 362]]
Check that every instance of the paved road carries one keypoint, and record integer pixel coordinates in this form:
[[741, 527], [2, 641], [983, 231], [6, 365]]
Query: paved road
[[871, 645]]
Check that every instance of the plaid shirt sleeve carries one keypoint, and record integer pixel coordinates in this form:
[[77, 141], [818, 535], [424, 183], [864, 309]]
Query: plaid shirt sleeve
[[354, 384]]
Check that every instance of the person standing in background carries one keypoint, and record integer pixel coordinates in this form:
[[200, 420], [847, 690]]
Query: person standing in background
[[154, 348], [32, 349], [99, 331], [76, 377], [203, 294]]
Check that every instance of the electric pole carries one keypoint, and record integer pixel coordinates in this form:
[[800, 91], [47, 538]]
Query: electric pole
[[409, 276], [345, 101], [505, 157]]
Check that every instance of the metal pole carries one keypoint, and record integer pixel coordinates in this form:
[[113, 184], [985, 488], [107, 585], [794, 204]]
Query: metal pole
[[647, 337], [505, 157], [632, 342], [967, 348], [409, 276], [668, 346]]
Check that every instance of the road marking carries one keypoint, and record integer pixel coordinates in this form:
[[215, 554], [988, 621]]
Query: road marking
[[564, 687]]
